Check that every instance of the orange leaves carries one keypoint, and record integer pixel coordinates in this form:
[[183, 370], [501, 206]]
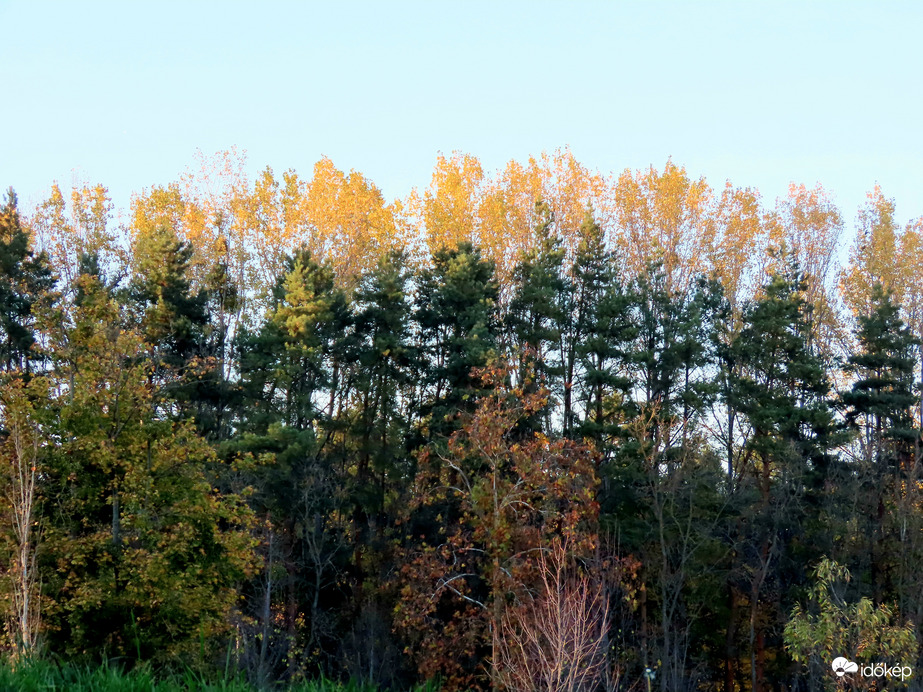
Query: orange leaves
[[873, 257], [251, 227], [910, 255], [651, 215], [341, 218], [885, 253], [497, 213], [737, 242], [809, 224], [199, 208], [511, 490], [507, 208], [351, 224], [162, 206], [663, 217], [448, 209], [209, 195]]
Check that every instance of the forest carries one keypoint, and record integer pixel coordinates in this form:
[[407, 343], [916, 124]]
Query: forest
[[532, 429]]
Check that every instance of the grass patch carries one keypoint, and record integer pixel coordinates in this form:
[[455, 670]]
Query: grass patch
[[46, 676]]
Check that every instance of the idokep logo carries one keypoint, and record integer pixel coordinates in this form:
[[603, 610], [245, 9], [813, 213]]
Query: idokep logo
[[843, 666]]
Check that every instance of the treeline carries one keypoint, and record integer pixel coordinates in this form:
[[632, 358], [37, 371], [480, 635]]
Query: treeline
[[541, 431]]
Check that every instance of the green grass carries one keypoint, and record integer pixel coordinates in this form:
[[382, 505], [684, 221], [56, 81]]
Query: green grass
[[44, 676]]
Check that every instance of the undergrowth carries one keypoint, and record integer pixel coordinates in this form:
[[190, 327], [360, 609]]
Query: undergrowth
[[46, 676]]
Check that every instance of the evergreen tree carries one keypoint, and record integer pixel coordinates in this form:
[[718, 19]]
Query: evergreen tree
[[783, 387], [782, 390], [535, 311], [293, 419], [213, 391], [597, 339], [457, 317], [666, 365], [385, 361], [24, 277], [880, 406], [290, 367], [881, 399], [671, 352], [172, 317], [659, 489]]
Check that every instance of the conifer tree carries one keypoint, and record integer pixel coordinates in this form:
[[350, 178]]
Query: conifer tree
[[881, 399], [385, 360], [457, 317], [290, 367], [293, 391], [24, 277], [535, 313], [662, 475], [880, 406], [597, 334], [782, 390], [173, 318]]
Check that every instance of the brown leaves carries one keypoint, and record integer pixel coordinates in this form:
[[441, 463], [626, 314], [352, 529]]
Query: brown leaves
[[510, 491]]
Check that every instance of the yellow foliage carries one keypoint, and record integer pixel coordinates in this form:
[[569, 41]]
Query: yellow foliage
[[872, 258], [350, 223], [810, 225], [910, 258], [738, 241], [448, 210], [199, 208], [84, 229], [497, 213], [663, 217]]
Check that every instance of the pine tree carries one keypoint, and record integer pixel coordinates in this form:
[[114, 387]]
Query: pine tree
[[24, 277], [457, 317], [383, 370], [290, 367], [385, 360], [880, 406], [782, 389], [535, 314], [659, 489], [214, 392], [881, 399], [597, 339], [293, 420], [173, 319]]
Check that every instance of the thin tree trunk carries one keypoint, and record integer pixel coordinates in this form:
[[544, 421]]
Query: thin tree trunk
[[730, 654], [266, 615], [23, 503]]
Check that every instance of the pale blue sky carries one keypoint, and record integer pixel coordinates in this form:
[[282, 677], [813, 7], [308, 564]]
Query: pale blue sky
[[761, 93]]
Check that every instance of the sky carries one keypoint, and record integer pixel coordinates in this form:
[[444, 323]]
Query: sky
[[760, 93]]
